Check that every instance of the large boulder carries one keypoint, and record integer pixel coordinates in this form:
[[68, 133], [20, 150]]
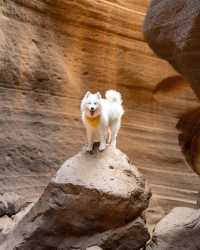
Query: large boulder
[[132, 236], [90, 194], [172, 30], [179, 230]]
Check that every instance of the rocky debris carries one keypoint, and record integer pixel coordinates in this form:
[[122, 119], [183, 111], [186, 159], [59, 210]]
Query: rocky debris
[[90, 194], [7, 224], [172, 30], [179, 230], [11, 204]]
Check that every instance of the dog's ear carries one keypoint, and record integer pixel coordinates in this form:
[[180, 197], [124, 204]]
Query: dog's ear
[[98, 95], [87, 94]]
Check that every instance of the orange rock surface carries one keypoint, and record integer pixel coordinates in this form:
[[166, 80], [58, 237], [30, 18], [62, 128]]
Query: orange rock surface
[[51, 52]]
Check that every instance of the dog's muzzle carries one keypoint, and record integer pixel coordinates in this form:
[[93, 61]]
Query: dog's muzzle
[[92, 111]]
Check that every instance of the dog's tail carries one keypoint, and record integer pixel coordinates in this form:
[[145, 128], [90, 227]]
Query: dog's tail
[[113, 96]]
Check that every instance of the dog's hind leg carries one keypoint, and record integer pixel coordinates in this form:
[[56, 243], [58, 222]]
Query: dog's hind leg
[[114, 126], [108, 138], [103, 137]]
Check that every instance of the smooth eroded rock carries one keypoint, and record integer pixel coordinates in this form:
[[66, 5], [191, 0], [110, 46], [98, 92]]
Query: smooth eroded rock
[[179, 230], [172, 30]]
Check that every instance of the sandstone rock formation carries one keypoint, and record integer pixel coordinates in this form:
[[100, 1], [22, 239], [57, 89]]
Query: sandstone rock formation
[[172, 31], [179, 230], [93, 200], [51, 52]]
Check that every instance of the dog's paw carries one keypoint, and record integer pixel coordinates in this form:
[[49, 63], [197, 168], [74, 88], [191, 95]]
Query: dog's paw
[[89, 150], [102, 147]]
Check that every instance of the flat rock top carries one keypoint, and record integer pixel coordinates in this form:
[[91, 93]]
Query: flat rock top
[[108, 172]]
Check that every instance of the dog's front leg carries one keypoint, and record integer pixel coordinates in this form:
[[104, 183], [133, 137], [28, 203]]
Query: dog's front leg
[[102, 145], [90, 140]]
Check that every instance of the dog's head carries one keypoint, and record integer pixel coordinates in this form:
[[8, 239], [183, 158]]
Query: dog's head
[[91, 104]]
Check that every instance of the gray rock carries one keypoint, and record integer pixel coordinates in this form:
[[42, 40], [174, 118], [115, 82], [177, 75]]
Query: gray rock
[[11, 204], [132, 236], [89, 195], [179, 230]]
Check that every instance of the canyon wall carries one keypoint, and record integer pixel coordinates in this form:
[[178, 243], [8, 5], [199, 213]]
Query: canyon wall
[[51, 52], [172, 30]]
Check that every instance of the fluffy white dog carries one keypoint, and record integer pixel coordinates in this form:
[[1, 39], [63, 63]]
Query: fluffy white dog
[[102, 118]]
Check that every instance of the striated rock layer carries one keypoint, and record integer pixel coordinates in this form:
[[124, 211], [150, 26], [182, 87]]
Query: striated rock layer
[[93, 200], [51, 52]]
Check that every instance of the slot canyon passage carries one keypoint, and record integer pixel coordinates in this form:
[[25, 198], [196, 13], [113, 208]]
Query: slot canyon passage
[[51, 53]]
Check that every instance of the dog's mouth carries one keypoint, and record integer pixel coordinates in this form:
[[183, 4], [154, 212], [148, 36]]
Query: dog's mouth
[[92, 112]]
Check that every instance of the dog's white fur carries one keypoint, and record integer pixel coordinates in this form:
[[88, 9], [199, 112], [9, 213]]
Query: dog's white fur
[[109, 111]]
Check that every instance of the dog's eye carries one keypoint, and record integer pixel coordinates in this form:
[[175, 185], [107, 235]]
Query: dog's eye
[[95, 103], [89, 103]]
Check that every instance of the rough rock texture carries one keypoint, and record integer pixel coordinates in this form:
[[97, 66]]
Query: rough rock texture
[[11, 204], [89, 195], [7, 224], [129, 237], [51, 52], [179, 230], [172, 30]]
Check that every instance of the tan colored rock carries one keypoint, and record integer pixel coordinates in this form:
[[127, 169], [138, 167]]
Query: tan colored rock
[[90, 194], [51, 52], [94, 248], [178, 230], [6, 225]]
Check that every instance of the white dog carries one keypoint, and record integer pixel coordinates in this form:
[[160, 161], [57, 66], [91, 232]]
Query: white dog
[[102, 118]]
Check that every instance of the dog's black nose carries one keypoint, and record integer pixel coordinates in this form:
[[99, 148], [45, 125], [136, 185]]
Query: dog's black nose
[[92, 109]]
